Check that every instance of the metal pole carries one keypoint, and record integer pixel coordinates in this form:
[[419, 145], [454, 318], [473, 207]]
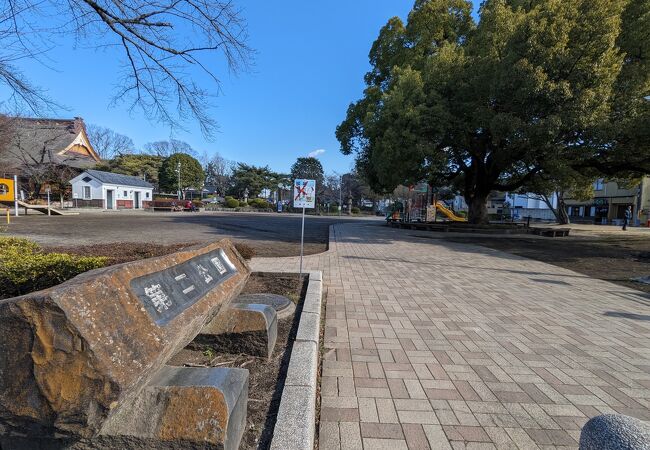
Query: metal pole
[[16, 195], [48, 202], [178, 169], [340, 195], [302, 239]]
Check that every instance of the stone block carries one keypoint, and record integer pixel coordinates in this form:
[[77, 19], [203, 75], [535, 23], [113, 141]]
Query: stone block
[[71, 356], [296, 421], [303, 365], [183, 405], [309, 327], [281, 304], [315, 275], [243, 328], [312, 303]]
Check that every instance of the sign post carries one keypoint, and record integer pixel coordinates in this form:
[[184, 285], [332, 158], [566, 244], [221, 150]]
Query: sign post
[[48, 201], [304, 196], [16, 195]]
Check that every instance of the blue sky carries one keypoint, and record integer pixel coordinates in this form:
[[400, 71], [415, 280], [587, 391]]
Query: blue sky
[[309, 65]]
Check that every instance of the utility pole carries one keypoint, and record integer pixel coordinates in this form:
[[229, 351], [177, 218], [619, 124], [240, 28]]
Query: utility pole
[[178, 170]]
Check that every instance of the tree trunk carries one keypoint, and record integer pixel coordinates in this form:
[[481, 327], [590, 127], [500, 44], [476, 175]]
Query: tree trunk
[[477, 204], [563, 217]]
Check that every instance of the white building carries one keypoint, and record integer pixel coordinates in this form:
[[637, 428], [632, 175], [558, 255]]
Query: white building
[[94, 188]]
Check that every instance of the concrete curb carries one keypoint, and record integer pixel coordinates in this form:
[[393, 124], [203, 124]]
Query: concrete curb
[[295, 425]]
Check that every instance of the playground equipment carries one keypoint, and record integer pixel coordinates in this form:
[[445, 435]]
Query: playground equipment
[[449, 213], [9, 197]]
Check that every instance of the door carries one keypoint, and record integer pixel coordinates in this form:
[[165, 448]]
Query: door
[[136, 204], [109, 199]]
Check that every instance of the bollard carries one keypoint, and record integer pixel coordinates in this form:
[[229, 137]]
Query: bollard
[[615, 432]]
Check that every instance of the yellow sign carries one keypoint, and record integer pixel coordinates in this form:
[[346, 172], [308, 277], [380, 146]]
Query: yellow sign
[[6, 190]]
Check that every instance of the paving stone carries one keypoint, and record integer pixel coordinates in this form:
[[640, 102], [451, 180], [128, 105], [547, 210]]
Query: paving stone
[[500, 354]]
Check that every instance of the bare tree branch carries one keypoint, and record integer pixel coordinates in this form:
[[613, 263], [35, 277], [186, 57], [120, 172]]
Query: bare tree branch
[[164, 43], [107, 143]]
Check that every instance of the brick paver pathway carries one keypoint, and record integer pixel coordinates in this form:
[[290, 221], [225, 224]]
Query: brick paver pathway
[[430, 344]]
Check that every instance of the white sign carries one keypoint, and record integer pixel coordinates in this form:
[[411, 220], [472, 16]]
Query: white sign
[[304, 194], [75, 195]]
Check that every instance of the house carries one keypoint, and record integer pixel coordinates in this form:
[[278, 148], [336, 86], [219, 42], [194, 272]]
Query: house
[[94, 188], [44, 152], [610, 201]]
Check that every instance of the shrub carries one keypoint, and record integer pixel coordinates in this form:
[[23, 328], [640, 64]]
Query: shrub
[[197, 203], [246, 251], [228, 197], [259, 203], [242, 204], [25, 268], [334, 209], [355, 210], [232, 203]]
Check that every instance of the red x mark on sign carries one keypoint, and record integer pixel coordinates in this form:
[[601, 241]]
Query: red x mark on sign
[[301, 190]]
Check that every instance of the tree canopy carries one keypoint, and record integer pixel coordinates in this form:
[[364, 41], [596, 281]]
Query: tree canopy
[[254, 178], [138, 165], [536, 88], [191, 173], [311, 169], [108, 143]]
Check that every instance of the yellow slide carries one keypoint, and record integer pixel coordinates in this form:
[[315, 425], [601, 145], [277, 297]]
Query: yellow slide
[[449, 213]]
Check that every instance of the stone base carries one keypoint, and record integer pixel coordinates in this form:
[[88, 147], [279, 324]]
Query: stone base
[[181, 407], [185, 404], [242, 328]]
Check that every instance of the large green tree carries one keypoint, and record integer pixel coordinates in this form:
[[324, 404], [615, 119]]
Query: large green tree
[[535, 86], [138, 165], [310, 168], [253, 178], [191, 173]]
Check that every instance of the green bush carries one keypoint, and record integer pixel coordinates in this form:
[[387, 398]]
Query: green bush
[[232, 203], [228, 197], [242, 204], [334, 209], [259, 203], [24, 268], [355, 210]]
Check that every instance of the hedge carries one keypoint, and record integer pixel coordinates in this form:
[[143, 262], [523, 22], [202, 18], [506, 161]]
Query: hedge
[[24, 268], [232, 203]]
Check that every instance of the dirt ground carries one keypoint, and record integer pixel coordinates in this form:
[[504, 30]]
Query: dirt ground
[[608, 256], [266, 378]]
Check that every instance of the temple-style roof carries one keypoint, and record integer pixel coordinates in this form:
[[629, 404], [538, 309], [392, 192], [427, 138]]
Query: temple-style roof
[[43, 141]]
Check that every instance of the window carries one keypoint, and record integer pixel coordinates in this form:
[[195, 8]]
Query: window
[[86, 193], [126, 194], [147, 195], [86, 179], [599, 185]]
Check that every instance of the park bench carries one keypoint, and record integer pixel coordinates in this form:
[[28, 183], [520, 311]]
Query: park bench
[[87, 360]]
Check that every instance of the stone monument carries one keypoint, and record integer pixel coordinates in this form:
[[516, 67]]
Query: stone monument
[[86, 360]]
